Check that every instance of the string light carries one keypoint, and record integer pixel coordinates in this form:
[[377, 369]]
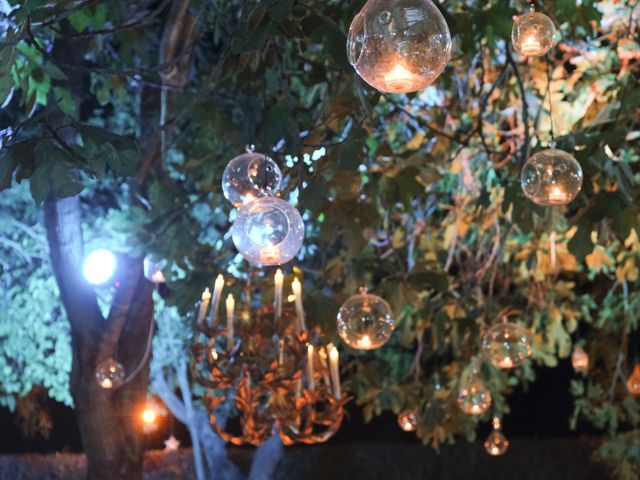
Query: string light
[[399, 47], [365, 321]]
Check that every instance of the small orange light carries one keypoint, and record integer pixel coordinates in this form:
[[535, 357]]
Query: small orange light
[[148, 415]]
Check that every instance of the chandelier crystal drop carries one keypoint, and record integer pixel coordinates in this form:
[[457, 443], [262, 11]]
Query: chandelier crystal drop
[[551, 177], [506, 345], [474, 398], [580, 360], [109, 374], [533, 34], [408, 420], [249, 176], [399, 46], [633, 382], [268, 231], [496, 443], [365, 321]]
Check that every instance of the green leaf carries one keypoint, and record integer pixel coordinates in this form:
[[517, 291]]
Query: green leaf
[[120, 153]]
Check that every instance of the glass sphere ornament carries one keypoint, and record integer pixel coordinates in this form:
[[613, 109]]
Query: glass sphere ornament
[[496, 443], [268, 231], [399, 46], [533, 34], [506, 344], [580, 360], [633, 382], [249, 176], [551, 177], [365, 321], [153, 269], [408, 420], [109, 374], [474, 397]]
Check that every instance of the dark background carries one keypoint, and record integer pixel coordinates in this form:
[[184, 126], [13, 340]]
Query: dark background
[[542, 411]]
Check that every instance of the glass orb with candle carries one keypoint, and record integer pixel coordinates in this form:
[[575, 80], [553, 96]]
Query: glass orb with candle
[[474, 398], [496, 443], [365, 321], [580, 360], [399, 46], [551, 177], [506, 344], [633, 382], [153, 269], [533, 34], [268, 231], [109, 374], [249, 176], [408, 420]]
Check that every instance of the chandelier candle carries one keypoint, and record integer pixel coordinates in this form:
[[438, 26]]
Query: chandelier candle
[[297, 291], [231, 305], [215, 301], [277, 297], [204, 304], [334, 369], [323, 353], [310, 381]]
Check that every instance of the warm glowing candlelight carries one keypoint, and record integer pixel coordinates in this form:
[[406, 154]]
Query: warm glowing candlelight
[[476, 409], [334, 369], [269, 254], [204, 304], [530, 45], [633, 382], [364, 342], [297, 291], [506, 362], [278, 279], [580, 360], [398, 78], [557, 195], [217, 293], [148, 415], [231, 305], [311, 383]]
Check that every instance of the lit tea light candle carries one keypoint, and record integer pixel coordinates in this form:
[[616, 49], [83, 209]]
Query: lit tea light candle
[[296, 286], [270, 254], [231, 305], [311, 383], [277, 297], [364, 342], [204, 304], [334, 370], [557, 195], [530, 45], [399, 78], [217, 293], [475, 409], [506, 362]]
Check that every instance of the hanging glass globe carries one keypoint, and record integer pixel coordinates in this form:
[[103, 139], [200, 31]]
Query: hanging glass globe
[[109, 374], [533, 34], [551, 177], [473, 396], [496, 443], [268, 231], [249, 176], [580, 360], [408, 420], [365, 321], [399, 46], [633, 382], [153, 269], [506, 345]]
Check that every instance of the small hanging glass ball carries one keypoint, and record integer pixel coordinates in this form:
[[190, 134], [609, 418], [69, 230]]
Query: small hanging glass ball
[[249, 176], [496, 443], [268, 231], [153, 269], [109, 374], [399, 46], [408, 420], [365, 321], [533, 34], [633, 382], [580, 360], [474, 397], [551, 177], [506, 345]]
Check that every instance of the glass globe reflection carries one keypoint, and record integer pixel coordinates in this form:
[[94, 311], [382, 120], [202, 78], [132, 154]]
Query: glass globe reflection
[[153, 269], [506, 345], [474, 397], [268, 231], [250, 176], [551, 177], [633, 382], [365, 321], [109, 374], [580, 360], [496, 444], [399, 46], [533, 34], [408, 420]]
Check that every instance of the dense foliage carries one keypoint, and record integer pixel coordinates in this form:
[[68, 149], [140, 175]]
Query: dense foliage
[[415, 196]]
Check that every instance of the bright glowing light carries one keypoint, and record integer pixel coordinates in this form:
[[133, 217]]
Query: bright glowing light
[[99, 266], [148, 415]]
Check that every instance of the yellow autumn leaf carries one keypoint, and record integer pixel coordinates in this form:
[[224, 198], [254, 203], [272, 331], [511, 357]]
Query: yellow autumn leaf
[[599, 260], [628, 271]]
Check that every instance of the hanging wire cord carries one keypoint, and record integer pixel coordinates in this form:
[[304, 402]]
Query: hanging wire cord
[[549, 78]]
